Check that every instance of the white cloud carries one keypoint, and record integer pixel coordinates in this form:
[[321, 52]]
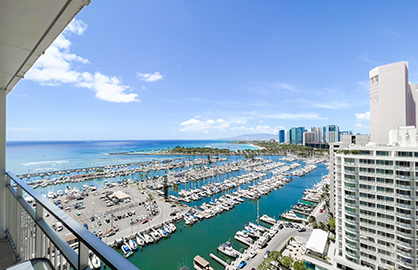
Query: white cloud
[[295, 116], [197, 125], [266, 129], [282, 85], [56, 67], [331, 105], [363, 116], [149, 77]]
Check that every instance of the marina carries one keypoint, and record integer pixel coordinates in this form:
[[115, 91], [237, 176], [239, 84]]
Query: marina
[[226, 190]]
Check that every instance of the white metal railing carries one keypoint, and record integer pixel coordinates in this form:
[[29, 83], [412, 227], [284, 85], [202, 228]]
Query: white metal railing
[[34, 238]]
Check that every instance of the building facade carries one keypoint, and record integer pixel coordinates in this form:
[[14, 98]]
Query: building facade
[[376, 204], [331, 133], [308, 137], [392, 100], [281, 136], [296, 135], [318, 134]]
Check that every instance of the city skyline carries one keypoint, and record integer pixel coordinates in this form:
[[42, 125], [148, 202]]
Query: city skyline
[[200, 71]]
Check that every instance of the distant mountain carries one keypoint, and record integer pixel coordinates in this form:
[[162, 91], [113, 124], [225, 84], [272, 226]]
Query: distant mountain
[[252, 137]]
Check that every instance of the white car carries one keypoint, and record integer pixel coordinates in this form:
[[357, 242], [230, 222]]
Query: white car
[[252, 254]]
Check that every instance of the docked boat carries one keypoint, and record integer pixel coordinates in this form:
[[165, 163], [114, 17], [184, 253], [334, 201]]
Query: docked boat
[[93, 188], [167, 228], [201, 264], [95, 262], [291, 216], [155, 235], [139, 240], [172, 227], [268, 219], [227, 249], [162, 232], [243, 238], [60, 192], [51, 195], [148, 239], [126, 251], [132, 244], [85, 187]]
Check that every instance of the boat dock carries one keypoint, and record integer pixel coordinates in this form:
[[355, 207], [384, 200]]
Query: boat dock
[[219, 260]]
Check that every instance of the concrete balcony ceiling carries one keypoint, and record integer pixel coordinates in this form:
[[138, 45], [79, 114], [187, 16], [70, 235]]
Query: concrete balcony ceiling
[[27, 29]]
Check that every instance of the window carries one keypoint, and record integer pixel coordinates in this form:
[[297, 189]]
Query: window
[[366, 161], [384, 162], [382, 153], [403, 163], [404, 154]]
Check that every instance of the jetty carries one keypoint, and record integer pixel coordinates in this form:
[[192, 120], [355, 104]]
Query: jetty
[[219, 260]]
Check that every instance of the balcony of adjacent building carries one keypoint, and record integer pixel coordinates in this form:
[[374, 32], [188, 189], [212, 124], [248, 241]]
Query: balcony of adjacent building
[[28, 28]]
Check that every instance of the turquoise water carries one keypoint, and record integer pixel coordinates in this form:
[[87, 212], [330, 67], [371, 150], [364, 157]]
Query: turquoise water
[[204, 237], [180, 248], [35, 157]]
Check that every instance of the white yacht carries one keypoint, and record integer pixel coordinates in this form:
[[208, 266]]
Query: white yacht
[[51, 195], [132, 244], [126, 251], [227, 249], [139, 240]]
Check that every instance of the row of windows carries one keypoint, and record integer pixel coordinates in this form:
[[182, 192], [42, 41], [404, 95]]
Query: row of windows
[[372, 248], [368, 204], [366, 229], [389, 217], [369, 213], [365, 220], [372, 257], [386, 234], [385, 225], [384, 243]]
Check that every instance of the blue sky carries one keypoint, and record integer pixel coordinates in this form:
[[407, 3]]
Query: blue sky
[[211, 69]]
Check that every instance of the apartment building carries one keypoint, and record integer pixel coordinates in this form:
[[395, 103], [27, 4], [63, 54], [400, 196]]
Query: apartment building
[[376, 203]]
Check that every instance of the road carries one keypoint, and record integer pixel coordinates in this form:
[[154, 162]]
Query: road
[[276, 243]]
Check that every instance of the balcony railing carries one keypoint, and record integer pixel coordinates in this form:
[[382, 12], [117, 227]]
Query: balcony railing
[[33, 237]]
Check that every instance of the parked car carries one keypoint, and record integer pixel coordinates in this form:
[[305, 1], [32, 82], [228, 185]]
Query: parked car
[[99, 223], [86, 226], [110, 233], [107, 220], [252, 254], [281, 226], [242, 264], [145, 221], [301, 229], [91, 219], [266, 255]]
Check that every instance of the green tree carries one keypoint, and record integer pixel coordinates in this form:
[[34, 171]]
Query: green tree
[[322, 226], [331, 225], [286, 261], [299, 266], [311, 219], [275, 255]]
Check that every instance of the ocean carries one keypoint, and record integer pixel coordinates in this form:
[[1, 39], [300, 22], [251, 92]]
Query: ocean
[[180, 248], [46, 156]]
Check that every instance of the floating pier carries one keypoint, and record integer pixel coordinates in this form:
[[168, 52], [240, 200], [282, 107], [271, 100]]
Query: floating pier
[[219, 260]]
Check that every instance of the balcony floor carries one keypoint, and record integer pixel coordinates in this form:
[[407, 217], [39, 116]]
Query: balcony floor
[[7, 256]]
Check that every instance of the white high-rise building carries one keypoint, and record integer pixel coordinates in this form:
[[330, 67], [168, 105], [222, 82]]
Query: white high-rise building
[[331, 134], [392, 100], [318, 134], [376, 203]]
